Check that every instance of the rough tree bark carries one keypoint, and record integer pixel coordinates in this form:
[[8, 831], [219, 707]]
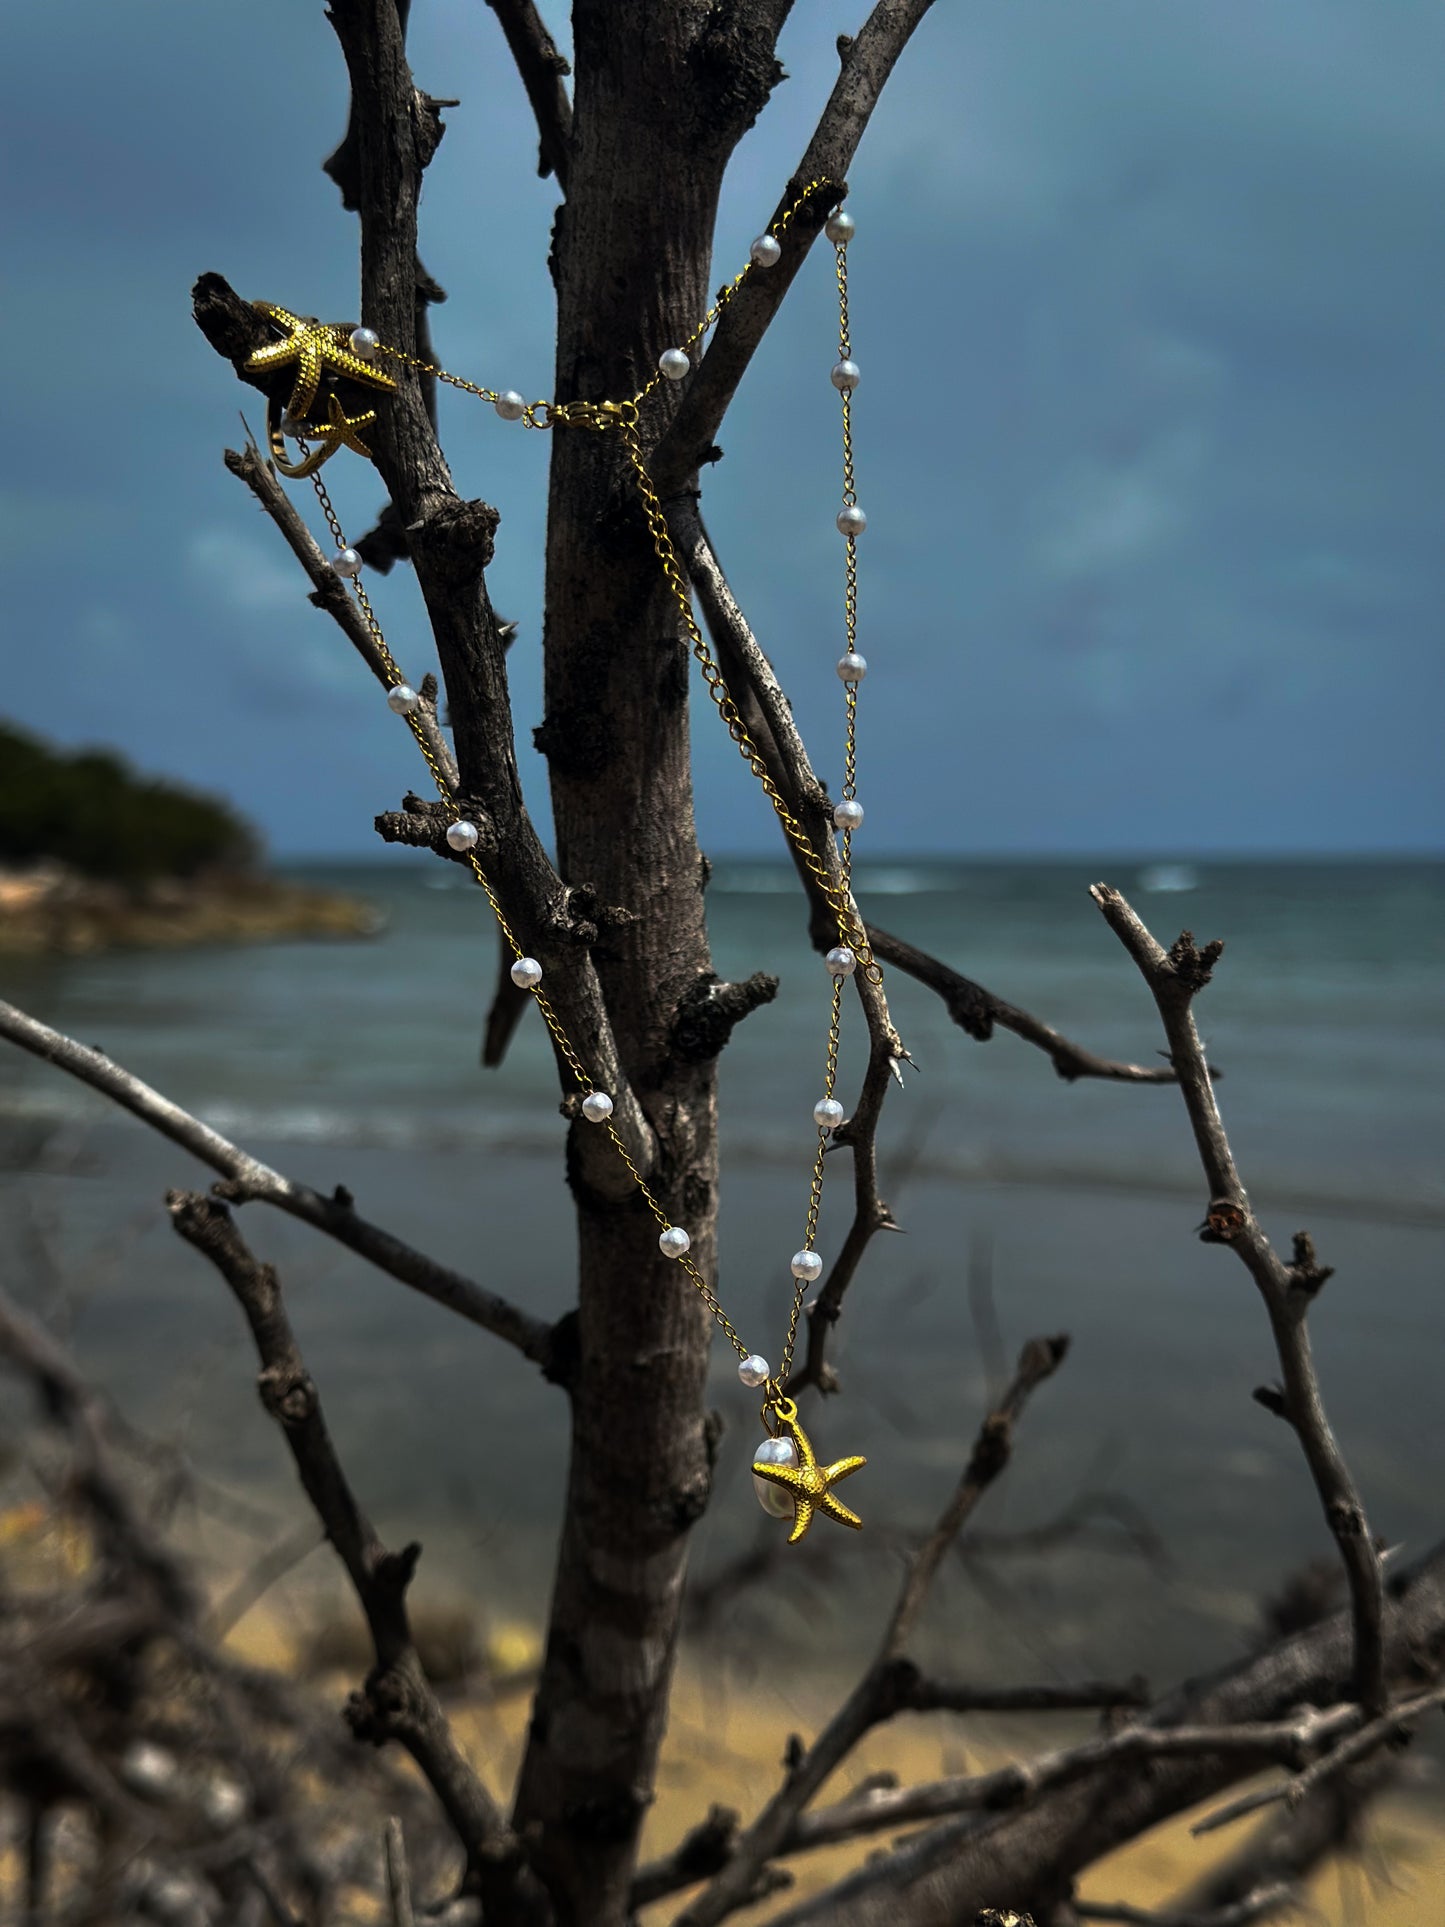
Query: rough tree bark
[[662, 95]]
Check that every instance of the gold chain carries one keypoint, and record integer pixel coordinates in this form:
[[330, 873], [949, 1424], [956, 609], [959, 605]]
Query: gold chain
[[623, 418]]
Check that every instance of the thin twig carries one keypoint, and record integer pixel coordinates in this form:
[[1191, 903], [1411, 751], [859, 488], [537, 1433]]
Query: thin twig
[[248, 1180], [398, 1885], [1175, 977], [397, 1701], [1275, 1898], [542, 70], [1392, 1725], [328, 591], [874, 1698], [867, 61]]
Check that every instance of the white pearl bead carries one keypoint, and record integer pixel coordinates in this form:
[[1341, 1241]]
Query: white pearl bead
[[851, 519], [597, 1107], [772, 1498], [840, 961], [510, 406], [462, 836], [527, 974], [402, 699], [766, 251], [806, 1264], [840, 226], [674, 1242], [852, 667], [755, 1369], [364, 342], [673, 363], [827, 1113], [346, 562], [848, 816], [846, 376]]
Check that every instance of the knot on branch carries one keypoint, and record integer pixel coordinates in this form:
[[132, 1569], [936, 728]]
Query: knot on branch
[[990, 1449], [707, 1847], [393, 1572], [896, 1687], [422, 822], [428, 126], [972, 1009], [1306, 1273], [232, 326], [1224, 1220], [387, 544], [457, 539], [1272, 1398], [708, 1013], [1040, 1359], [1347, 1520], [1190, 966], [609, 1817], [384, 1706], [288, 1394], [576, 740]]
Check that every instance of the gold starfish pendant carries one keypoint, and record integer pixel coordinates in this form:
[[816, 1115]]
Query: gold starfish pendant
[[340, 430], [808, 1483], [317, 348]]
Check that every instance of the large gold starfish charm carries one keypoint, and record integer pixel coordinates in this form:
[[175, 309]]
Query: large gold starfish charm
[[340, 430], [316, 347], [808, 1482]]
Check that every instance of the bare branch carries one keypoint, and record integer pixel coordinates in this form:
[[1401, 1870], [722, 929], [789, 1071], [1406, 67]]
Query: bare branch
[[1259, 1905], [398, 1885], [1273, 1699], [248, 1180], [876, 1696], [1175, 977], [1038, 1360], [1290, 1845], [1390, 1728], [328, 591], [976, 1011], [397, 1702], [756, 689], [70, 1403], [542, 69], [867, 60]]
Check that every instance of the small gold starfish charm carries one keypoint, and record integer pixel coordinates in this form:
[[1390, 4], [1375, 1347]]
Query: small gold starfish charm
[[808, 1482], [317, 347], [339, 431]]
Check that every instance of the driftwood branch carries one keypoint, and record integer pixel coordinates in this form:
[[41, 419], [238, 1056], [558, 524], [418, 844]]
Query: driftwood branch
[[1276, 1898], [1095, 1800], [867, 61], [769, 717], [247, 1180], [1175, 977], [543, 70], [874, 1698], [1391, 1727], [397, 1701]]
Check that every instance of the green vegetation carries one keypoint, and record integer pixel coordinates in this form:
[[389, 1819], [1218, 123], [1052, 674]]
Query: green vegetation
[[90, 812]]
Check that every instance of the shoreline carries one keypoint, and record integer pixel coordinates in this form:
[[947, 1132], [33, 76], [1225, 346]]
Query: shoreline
[[49, 911]]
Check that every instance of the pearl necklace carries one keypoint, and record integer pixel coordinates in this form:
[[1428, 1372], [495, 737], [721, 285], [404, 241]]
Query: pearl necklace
[[790, 1482]]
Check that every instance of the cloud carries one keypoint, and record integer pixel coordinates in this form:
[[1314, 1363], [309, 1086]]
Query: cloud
[[243, 573]]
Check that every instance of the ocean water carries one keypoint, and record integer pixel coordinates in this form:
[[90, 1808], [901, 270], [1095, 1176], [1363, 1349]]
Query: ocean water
[[1029, 1205]]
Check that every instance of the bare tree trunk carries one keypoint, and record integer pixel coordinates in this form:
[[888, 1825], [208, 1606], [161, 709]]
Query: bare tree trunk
[[662, 94]]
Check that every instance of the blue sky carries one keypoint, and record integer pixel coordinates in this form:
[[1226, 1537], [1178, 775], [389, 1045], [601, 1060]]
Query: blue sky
[[1147, 298]]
